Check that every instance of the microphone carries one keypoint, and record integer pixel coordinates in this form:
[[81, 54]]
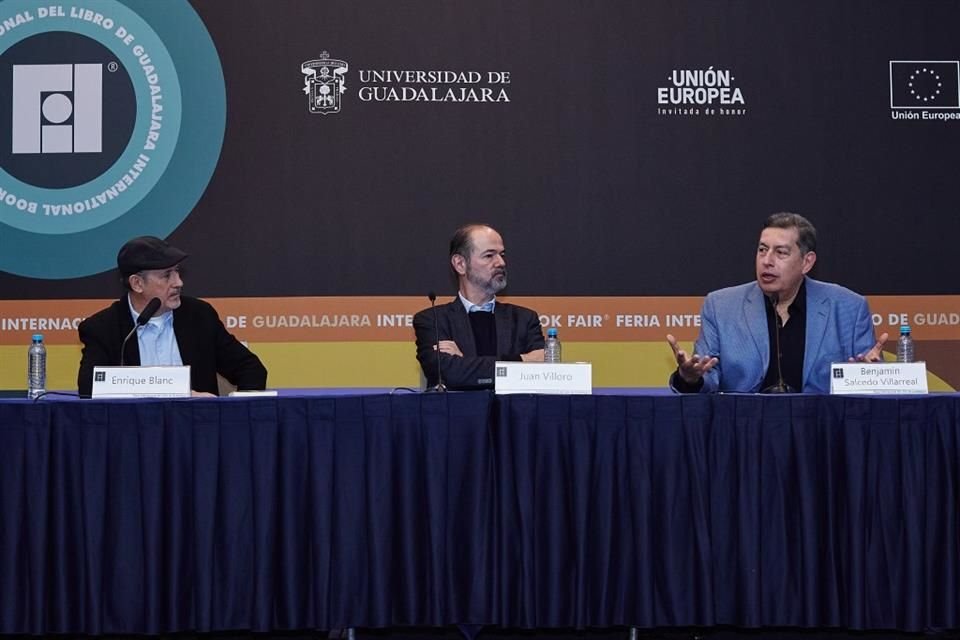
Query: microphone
[[142, 319], [781, 386], [436, 327]]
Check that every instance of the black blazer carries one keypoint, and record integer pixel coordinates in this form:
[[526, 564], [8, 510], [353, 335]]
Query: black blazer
[[204, 343], [518, 331]]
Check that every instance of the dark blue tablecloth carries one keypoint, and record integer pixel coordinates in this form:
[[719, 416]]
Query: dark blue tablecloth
[[526, 511]]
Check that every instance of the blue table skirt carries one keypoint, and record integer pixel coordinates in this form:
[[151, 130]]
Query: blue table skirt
[[527, 511]]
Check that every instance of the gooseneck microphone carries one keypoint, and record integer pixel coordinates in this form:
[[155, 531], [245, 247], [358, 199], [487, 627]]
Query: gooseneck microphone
[[436, 328], [781, 386], [142, 319]]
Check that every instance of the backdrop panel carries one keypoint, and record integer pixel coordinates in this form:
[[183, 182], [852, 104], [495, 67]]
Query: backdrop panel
[[625, 150]]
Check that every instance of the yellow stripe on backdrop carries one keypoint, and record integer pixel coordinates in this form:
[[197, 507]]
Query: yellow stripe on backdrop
[[62, 363], [368, 364], [383, 364], [392, 364]]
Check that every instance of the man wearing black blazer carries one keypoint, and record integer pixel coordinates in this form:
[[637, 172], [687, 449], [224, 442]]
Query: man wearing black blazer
[[183, 330], [475, 329]]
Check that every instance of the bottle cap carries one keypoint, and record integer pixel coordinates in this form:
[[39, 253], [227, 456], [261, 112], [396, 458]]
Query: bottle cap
[[904, 328], [551, 332], [38, 337]]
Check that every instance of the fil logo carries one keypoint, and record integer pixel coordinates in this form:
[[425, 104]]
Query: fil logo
[[324, 83], [57, 108], [924, 84], [837, 372], [99, 376]]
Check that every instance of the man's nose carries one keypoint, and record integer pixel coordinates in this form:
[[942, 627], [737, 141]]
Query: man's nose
[[177, 280], [500, 261]]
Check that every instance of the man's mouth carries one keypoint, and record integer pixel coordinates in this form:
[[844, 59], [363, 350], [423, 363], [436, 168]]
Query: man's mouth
[[767, 277]]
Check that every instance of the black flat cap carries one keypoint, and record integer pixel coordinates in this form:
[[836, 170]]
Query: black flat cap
[[147, 252]]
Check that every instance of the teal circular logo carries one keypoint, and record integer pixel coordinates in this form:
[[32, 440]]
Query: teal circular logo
[[111, 124]]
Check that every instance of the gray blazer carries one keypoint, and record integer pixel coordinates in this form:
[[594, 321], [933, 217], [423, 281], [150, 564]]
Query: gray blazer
[[733, 327]]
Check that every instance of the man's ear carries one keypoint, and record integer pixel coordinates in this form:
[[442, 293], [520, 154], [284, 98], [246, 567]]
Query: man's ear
[[459, 264], [809, 259], [136, 283]]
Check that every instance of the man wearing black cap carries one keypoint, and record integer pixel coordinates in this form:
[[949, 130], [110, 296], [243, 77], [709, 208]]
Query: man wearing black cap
[[183, 331]]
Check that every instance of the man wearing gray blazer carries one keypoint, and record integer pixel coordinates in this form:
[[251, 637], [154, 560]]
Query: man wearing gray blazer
[[781, 332]]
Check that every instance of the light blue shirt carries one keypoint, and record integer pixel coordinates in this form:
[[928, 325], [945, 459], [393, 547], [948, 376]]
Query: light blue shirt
[[471, 307], [158, 342]]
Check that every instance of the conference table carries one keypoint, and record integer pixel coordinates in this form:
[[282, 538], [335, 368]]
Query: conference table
[[376, 510]]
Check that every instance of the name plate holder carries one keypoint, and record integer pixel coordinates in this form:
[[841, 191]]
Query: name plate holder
[[141, 382], [263, 393], [543, 377], [878, 378]]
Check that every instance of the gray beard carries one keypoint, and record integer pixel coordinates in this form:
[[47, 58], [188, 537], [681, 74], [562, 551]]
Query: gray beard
[[491, 287]]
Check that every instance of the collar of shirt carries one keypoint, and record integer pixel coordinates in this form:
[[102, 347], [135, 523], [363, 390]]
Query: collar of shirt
[[799, 304], [157, 340], [160, 322], [470, 307]]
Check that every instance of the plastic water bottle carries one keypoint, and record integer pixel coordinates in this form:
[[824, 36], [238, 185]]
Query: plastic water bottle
[[551, 351], [905, 345], [36, 368]]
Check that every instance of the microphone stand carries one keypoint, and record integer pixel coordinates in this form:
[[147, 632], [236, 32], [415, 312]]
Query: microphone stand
[[439, 387], [123, 347], [142, 319], [781, 386]]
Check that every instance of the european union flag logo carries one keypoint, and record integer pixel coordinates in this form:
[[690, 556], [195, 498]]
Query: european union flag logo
[[924, 84]]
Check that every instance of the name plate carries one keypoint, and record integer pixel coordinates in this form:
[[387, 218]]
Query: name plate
[[878, 377], [141, 382], [542, 377]]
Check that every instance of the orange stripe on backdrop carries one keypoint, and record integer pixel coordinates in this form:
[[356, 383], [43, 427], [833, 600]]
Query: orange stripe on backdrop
[[390, 318]]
